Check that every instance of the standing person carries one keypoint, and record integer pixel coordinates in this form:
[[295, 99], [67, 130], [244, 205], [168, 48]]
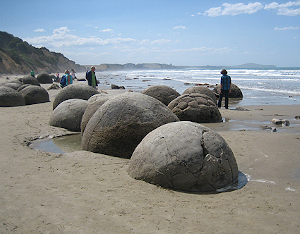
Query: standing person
[[91, 77], [57, 77], [225, 88], [32, 73], [66, 79], [73, 74]]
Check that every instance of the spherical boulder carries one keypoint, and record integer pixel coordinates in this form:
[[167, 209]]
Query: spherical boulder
[[44, 78], [119, 125], [196, 107], [163, 93], [10, 97], [202, 90], [184, 156], [68, 114], [34, 94], [30, 80], [235, 91], [74, 91]]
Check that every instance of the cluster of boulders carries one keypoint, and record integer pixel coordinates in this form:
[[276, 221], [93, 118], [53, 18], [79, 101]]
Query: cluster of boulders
[[24, 91], [159, 130]]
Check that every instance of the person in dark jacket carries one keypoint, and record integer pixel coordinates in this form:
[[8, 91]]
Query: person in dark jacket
[[225, 88], [91, 77]]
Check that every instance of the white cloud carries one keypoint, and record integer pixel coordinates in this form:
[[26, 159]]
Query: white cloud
[[107, 30], [179, 27], [289, 12], [144, 42], [61, 37], [285, 9], [40, 30], [213, 12], [234, 9], [210, 50], [161, 41], [287, 28], [61, 30]]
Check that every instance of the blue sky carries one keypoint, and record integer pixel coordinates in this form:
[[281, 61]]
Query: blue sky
[[186, 32]]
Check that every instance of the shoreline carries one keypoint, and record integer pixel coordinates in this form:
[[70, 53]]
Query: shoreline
[[85, 192]]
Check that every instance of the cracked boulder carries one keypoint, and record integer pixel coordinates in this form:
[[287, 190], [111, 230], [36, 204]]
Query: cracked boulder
[[202, 90], [68, 114], [184, 156], [163, 93], [195, 107], [120, 124]]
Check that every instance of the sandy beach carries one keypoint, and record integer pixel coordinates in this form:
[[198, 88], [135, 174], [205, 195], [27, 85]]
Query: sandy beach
[[84, 192]]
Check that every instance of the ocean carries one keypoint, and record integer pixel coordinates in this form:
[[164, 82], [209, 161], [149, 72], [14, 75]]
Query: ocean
[[259, 87]]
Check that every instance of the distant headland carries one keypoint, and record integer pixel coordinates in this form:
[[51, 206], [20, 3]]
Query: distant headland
[[157, 66]]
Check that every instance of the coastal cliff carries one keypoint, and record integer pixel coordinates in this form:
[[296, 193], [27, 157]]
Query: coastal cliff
[[18, 57]]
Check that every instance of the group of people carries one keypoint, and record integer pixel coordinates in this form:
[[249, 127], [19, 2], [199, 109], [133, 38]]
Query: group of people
[[68, 78], [90, 76]]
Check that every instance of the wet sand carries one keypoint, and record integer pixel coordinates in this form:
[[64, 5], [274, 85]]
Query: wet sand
[[84, 192]]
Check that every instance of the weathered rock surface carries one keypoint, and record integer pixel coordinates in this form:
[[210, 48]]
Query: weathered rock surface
[[74, 91], [195, 107], [68, 114], [163, 93], [30, 80], [120, 124], [235, 91], [10, 97], [202, 90], [44, 78], [15, 84], [91, 109], [113, 86], [184, 156], [282, 122], [34, 94]]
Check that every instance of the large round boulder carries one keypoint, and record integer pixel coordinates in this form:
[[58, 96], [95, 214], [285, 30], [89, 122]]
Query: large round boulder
[[163, 93], [34, 94], [184, 156], [120, 124], [202, 90], [30, 80], [68, 114], [44, 78], [235, 91], [74, 91], [196, 107], [10, 97]]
